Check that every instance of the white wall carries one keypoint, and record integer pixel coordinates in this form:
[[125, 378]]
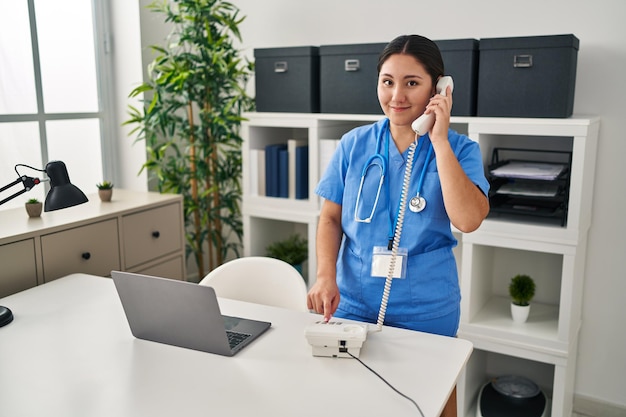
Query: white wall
[[599, 25], [128, 74]]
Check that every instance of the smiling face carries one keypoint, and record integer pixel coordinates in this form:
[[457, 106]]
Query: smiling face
[[404, 88]]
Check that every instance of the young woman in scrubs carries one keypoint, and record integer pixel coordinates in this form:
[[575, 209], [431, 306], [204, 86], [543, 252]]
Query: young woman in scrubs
[[360, 212]]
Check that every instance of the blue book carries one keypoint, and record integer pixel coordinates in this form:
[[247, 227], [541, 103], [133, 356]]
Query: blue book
[[283, 173], [271, 169], [302, 172]]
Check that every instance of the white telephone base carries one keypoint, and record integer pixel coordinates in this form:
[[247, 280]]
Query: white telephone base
[[335, 339]]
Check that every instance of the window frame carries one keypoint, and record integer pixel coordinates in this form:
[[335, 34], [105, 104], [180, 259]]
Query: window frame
[[104, 76]]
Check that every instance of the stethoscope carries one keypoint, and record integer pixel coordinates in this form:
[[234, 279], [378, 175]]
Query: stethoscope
[[417, 203]]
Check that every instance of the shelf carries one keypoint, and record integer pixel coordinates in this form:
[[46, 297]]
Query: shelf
[[576, 125], [253, 203], [277, 206], [288, 119], [525, 236], [539, 333]]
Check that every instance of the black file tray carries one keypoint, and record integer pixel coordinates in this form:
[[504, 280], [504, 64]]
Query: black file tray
[[522, 196]]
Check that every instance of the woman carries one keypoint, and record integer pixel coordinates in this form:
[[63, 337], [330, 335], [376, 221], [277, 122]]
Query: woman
[[359, 216]]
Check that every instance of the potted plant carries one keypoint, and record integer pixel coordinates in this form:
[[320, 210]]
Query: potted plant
[[105, 190], [193, 99], [522, 291], [294, 250], [33, 207]]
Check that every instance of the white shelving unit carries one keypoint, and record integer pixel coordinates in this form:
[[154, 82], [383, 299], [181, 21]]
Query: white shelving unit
[[267, 219], [543, 349]]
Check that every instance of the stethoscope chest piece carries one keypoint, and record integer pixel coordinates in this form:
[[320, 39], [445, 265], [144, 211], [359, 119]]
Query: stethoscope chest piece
[[417, 204]]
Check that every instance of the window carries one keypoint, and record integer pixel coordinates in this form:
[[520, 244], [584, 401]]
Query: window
[[53, 92]]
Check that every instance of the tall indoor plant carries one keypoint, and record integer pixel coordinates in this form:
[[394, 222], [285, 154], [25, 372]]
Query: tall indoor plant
[[193, 100]]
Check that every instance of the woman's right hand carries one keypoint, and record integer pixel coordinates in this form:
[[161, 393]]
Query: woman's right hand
[[323, 297]]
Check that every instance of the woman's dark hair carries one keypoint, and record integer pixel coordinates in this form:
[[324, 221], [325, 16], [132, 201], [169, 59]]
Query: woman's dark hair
[[421, 48]]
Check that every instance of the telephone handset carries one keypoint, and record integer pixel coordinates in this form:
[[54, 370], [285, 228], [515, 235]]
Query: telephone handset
[[425, 122]]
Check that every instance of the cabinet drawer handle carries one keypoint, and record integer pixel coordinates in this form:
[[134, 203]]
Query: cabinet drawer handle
[[156, 234], [86, 255]]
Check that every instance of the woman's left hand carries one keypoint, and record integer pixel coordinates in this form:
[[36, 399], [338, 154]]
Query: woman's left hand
[[440, 106]]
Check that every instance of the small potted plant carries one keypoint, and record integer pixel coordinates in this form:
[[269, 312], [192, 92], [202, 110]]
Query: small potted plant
[[33, 207], [522, 291], [105, 190], [294, 250]]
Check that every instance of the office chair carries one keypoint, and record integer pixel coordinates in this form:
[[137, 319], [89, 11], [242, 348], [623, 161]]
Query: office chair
[[261, 280]]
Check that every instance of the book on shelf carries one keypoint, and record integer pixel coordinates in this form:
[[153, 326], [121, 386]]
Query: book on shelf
[[257, 172], [283, 170], [271, 168], [292, 145], [283, 173], [302, 173], [327, 148]]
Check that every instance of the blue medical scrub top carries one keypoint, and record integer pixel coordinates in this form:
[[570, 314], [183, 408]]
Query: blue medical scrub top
[[431, 287]]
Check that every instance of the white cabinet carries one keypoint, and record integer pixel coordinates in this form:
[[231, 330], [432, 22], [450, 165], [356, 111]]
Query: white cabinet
[[543, 349], [138, 231]]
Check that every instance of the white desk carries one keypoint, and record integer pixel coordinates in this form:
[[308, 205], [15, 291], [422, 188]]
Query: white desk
[[69, 352]]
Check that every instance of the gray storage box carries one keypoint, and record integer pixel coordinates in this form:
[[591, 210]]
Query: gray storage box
[[527, 76], [348, 78], [287, 79], [460, 59]]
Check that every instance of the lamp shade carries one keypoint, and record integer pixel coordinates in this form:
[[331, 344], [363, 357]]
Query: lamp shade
[[62, 192]]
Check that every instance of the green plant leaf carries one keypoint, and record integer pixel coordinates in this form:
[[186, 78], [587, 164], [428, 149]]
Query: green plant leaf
[[522, 289], [293, 250], [192, 102]]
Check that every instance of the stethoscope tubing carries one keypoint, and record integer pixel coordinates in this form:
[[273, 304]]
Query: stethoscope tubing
[[381, 162]]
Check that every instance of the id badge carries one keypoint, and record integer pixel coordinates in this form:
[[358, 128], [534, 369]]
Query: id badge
[[381, 261]]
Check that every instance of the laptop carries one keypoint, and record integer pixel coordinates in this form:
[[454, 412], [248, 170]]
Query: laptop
[[182, 314]]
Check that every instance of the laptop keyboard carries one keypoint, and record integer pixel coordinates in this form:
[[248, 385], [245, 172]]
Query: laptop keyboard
[[235, 338]]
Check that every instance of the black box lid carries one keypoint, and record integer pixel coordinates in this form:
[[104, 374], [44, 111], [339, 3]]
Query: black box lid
[[447, 45], [527, 42], [357, 48], [291, 51]]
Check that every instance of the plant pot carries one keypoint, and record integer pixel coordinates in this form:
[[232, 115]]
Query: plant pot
[[33, 209], [520, 313], [105, 194]]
